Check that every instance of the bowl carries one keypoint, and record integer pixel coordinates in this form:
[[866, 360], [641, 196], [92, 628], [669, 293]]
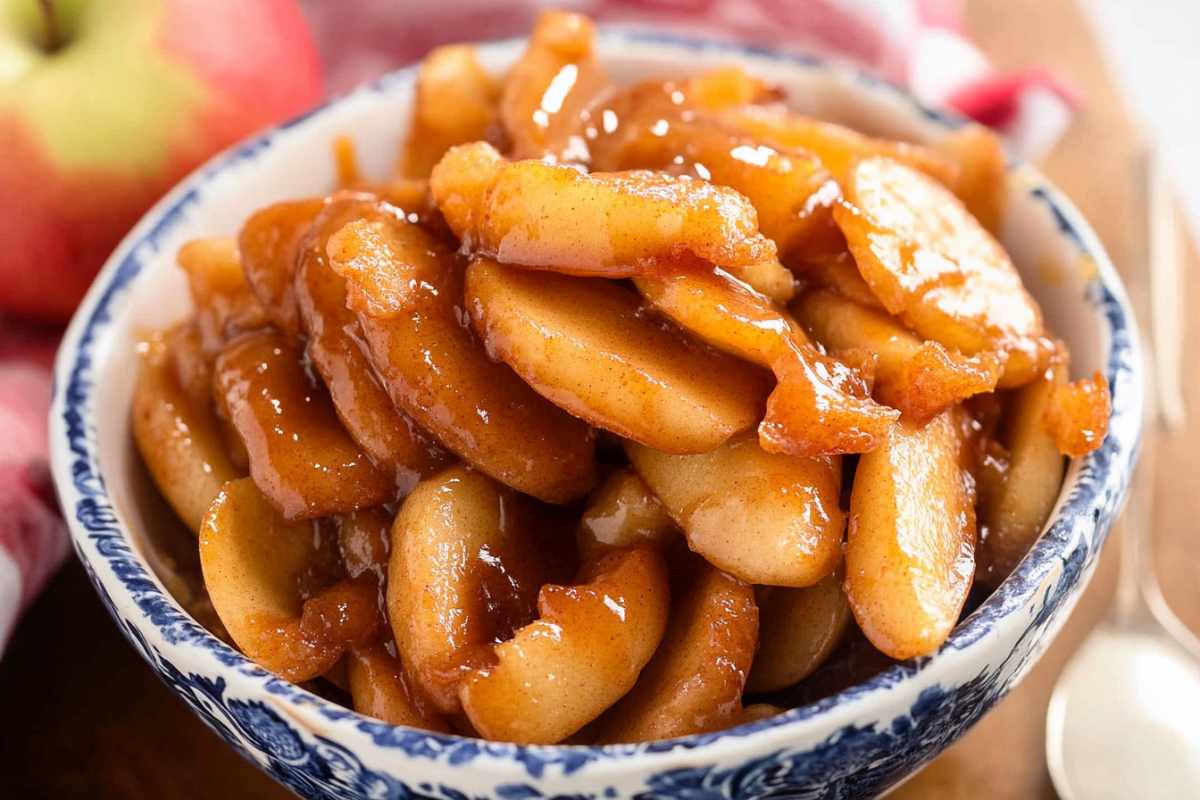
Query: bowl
[[857, 743]]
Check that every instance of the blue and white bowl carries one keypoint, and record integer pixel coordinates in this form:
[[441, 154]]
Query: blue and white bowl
[[857, 743]]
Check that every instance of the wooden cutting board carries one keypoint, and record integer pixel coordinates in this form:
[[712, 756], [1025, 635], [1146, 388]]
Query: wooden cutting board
[[81, 715]]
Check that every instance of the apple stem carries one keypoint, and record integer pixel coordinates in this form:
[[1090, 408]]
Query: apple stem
[[51, 25]]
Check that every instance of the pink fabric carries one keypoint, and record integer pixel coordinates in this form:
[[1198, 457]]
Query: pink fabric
[[919, 43]]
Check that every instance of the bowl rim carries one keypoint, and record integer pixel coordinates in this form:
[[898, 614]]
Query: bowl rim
[[1093, 488]]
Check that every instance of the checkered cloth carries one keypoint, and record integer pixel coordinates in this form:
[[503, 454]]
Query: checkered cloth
[[917, 43]]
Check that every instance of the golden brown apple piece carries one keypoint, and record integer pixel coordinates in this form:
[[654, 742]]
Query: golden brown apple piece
[[910, 551], [336, 347], [798, 630], [464, 574], [837, 146], [694, 682], [585, 651], [363, 542], [839, 274], [623, 512], [791, 190], [456, 102], [547, 92], [269, 243], [589, 347], [256, 566], [931, 264], [820, 406], [555, 217], [379, 688], [407, 289], [300, 455], [223, 302], [1077, 415], [178, 436], [982, 165], [762, 517], [1015, 503], [920, 378]]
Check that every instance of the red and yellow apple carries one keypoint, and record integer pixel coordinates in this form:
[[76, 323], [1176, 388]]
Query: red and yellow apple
[[104, 104]]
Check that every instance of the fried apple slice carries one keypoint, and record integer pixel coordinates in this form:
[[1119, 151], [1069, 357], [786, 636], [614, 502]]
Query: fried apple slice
[[694, 682], [932, 265], [798, 630], [555, 217], [727, 86], [254, 564], [407, 289], [820, 406], [982, 165], [837, 273], [547, 92], [623, 512], [178, 436], [300, 456], [765, 518], [790, 189], [910, 551], [837, 146], [920, 378], [269, 243], [224, 305], [1077, 415], [336, 347], [585, 651], [589, 347], [1013, 510], [363, 542], [456, 102], [464, 574], [379, 688]]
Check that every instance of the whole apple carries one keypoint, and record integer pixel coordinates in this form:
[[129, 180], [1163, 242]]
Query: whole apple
[[104, 104]]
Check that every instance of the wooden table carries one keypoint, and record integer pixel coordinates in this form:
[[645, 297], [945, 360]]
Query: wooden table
[[83, 715]]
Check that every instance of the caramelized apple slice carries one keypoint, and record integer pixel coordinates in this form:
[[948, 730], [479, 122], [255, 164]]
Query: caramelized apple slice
[[1077, 415], [920, 378], [547, 216], [1013, 509], [392, 440], [408, 291], [546, 94], [588, 346], [694, 682], [379, 689], [456, 103], [300, 456], [798, 630], [791, 190], [254, 564], [910, 552], [224, 305], [623, 512], [269, 243], [839, 274], [178, 436], [820, 405], [762, 517], [582, 655], [464, 574], [363, 539], [931, 264], [837, 146], [982, 165]]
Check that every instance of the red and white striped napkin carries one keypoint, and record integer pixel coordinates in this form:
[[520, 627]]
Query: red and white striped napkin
[[917, 43]]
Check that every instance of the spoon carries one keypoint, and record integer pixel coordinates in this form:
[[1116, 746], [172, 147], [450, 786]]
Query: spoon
[[1124, 719]]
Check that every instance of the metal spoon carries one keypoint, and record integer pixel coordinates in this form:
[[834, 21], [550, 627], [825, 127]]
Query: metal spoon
[[1124, 719]]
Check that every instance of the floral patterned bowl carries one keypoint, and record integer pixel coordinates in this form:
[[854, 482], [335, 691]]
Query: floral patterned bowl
[[856, 743]]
